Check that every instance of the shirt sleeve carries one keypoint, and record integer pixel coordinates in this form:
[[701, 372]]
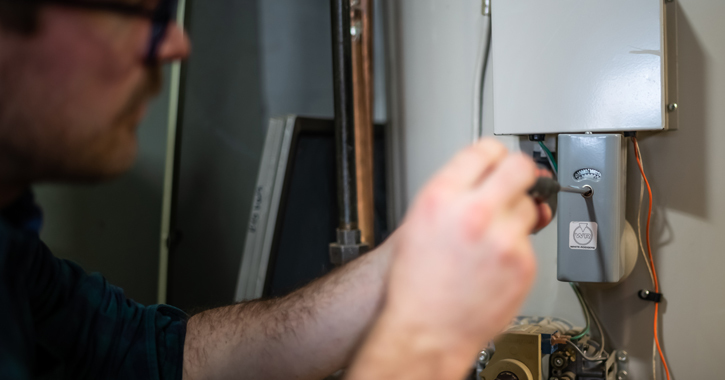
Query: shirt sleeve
[[89, 329]]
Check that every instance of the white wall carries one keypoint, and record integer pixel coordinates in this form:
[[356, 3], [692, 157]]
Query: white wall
[[435, 43]]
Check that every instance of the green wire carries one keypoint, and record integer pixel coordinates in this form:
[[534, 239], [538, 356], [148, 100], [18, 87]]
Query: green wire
[[584, 309], [551, 156]]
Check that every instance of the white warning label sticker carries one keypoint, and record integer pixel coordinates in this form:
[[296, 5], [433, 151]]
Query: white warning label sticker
[[583, 235]]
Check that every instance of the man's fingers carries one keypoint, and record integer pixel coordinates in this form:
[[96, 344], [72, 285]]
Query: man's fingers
[[471, 165], [541, 172], [545, 216], [510, 181], [512, 225], [513, 280], [511, 228], [524, 216]]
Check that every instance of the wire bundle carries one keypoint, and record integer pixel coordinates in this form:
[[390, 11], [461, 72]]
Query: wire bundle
[[550, 157], [651, 262], [588, 313], [584, 310]]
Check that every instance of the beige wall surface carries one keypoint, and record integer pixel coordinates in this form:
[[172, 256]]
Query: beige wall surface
[[435, 44]]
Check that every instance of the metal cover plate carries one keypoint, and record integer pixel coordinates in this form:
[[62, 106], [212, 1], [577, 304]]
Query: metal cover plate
[[564, 66]]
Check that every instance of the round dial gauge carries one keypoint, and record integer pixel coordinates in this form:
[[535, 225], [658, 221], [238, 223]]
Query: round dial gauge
[[587, 174]]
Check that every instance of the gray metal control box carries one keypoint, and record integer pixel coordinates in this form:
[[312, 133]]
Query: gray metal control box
[[598, 66], [591, 229]]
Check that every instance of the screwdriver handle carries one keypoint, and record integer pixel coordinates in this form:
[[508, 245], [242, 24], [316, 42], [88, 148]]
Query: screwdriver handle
[[544, 188]]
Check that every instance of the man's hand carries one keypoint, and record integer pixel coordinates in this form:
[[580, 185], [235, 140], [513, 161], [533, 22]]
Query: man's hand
[[461, 265], [462, 268]]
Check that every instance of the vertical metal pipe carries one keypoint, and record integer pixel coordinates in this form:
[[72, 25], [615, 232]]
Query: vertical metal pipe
[[344, 114]]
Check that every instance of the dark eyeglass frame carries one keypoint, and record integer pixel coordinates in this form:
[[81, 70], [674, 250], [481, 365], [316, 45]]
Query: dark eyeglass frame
[[160, 17]]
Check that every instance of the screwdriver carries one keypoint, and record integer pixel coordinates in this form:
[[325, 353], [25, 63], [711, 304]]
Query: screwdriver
[[546, 187]]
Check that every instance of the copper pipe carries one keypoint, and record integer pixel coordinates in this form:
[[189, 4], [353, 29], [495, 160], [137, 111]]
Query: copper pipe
[[362, 58]]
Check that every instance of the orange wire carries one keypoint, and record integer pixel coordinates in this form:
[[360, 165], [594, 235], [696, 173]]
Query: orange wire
[[649, 251]]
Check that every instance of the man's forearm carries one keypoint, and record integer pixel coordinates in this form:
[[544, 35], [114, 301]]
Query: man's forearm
[[306, 335]]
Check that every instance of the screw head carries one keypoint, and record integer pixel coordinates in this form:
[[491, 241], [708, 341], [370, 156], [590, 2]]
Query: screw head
[[558, 361], [483, 357], [622, 375], [356, 29], [672, 107], [622, 356]]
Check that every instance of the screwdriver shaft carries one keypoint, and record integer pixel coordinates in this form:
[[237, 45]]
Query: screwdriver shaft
[[546, 188], [577, 190]]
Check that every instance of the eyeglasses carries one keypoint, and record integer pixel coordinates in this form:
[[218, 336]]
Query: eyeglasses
[[160, 17]]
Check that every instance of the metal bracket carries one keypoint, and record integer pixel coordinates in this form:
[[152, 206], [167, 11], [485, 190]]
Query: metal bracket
[[347, 248], [486, 11], [622, 365]]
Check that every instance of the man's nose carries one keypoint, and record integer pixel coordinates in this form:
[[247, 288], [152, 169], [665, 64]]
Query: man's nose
[[175, 46]]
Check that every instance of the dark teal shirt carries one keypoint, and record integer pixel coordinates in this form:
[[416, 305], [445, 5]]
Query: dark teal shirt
[[57, 322]]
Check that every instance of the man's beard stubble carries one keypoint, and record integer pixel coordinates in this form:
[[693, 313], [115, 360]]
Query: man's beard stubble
[[20, 160], [126, 122], [148, 89]]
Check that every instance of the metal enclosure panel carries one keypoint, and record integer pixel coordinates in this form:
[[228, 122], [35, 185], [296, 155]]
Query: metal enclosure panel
[[590, 229], [261, 204], [564, 66], [257, 283]]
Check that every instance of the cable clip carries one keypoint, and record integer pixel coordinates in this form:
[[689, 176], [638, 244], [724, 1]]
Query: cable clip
[[650, 296], [486, 8]]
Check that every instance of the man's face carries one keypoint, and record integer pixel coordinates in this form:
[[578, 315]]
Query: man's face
[[73, 94]]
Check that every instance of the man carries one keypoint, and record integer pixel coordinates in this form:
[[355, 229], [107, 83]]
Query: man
[[75, 78]]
